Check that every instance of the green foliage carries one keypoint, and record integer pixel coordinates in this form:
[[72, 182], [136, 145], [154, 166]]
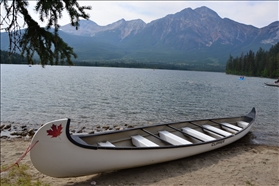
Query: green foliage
[[6, 58], [151, 65], [46, 43], [19, 176], [261, 64], [249, 183]]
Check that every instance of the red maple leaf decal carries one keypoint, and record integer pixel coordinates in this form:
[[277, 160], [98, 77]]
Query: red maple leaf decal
[[54, 131]]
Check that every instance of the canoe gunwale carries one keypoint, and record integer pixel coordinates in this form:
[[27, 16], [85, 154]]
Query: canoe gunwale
[[251, 115]]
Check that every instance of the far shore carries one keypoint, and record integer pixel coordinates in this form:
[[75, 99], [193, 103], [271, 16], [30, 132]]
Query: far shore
[[235, 164]]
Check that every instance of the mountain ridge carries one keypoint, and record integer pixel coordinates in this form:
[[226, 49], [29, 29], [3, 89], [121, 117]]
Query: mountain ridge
[[189, 37], [202, 21]]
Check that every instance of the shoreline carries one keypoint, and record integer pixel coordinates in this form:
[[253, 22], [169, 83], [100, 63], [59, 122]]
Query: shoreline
[[236, 164], [12, 130]]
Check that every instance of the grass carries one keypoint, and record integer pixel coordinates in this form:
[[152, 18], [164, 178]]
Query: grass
[[249, 183], [18, 175]]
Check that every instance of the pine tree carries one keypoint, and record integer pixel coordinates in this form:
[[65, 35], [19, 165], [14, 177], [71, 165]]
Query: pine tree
[[263, 63], [35, 39]]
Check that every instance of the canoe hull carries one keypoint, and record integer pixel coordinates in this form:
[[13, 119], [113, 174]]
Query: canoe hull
[[57, 156], [271, 85]]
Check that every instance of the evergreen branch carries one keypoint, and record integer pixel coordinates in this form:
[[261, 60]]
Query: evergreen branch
[[49, 46]]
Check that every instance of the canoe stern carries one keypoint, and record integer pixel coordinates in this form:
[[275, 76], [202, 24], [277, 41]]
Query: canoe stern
[[50, 143]]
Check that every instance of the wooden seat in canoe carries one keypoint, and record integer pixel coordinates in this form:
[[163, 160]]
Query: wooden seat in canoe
[[216, 131], [197, 134], [231, 128], [140, 141], [173, 139], [106, 144], [242, 124]]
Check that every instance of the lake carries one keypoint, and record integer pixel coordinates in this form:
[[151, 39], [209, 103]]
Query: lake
[[93, 96]]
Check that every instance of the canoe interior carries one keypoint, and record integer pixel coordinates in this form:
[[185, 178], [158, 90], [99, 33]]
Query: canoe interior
[[122, 139]]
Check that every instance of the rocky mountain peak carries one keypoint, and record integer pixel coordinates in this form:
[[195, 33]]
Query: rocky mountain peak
[[124, 23], [116, 24], [90, 28], [186, 32], [206, 12], [86, 27], [271, 33], [125, 28]]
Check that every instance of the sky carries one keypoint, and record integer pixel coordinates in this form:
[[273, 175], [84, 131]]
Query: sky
[[256, 13]]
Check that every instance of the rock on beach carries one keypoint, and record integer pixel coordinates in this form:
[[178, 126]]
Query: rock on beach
[[13, 130]]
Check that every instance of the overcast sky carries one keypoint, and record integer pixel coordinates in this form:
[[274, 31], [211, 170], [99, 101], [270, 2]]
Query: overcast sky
[[256, 13]]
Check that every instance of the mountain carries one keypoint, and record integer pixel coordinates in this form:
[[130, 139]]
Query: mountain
[[198, 38], [269, 34], [90, 28]]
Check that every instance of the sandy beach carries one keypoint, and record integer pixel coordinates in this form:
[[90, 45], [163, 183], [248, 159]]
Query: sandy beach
[[236, 164]]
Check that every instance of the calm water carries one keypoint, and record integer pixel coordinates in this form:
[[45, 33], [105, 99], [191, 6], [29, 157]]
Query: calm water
[[106, 96]]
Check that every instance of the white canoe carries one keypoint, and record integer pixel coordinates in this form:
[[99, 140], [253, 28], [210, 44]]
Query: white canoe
[[58, 153]]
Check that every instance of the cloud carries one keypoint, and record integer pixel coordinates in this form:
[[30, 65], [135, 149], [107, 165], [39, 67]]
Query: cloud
[[256, 13]]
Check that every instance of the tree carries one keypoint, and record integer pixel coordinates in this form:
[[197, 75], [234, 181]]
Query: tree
[[263, 63], [35, 39]]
